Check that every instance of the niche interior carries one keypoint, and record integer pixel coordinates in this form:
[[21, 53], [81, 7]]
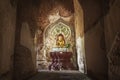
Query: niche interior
[[55, 38]]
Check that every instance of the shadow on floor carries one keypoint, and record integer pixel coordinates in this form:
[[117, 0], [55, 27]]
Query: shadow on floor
[[54, 75]]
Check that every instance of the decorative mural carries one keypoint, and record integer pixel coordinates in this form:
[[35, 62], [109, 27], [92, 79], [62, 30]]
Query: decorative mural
[[59, 37], [58, 28], [61, 28]]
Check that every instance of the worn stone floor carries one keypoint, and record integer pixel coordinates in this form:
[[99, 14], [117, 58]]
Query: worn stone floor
[[56, 75]]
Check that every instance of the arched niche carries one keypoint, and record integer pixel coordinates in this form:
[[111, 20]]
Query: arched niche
[[50, 41], [59, 27]]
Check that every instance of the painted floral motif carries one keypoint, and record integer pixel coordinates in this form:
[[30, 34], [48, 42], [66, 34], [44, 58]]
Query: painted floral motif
[[61, 28]]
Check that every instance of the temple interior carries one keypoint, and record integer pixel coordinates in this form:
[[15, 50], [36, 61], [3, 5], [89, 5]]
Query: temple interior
[[59, 40]]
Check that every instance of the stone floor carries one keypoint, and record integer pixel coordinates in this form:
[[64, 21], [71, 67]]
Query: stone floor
[[56, 75]]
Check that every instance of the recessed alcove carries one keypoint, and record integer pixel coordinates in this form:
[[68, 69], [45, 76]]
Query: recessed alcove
[[64, 21], [53, 44]]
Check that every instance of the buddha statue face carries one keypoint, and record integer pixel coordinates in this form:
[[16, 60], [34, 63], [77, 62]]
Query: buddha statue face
[[60, 38]]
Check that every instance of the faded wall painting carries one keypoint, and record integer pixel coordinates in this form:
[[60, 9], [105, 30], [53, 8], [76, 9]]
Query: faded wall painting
[[59, 42]]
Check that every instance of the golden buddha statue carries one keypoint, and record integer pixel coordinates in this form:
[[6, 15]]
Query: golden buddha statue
[[60, 41]]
